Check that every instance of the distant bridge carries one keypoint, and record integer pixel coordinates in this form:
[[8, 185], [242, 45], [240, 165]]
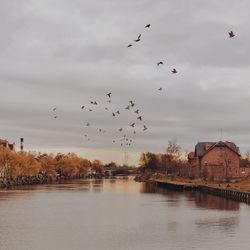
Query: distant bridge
[[121, 171]]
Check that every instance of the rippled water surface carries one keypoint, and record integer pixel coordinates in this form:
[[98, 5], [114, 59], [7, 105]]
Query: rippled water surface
[[119, 214]]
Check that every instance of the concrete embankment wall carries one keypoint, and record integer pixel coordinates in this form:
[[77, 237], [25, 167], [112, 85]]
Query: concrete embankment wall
[[226, 193]]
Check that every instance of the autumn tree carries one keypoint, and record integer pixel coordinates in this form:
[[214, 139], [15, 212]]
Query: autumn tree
[[6, 162], [149, 161], [97, 166], [26, 164], [173, 150], [67, 165], [48, 165], [84, 166]]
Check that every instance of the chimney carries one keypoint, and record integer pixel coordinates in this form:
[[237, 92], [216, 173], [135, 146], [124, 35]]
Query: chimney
[[21, 144]]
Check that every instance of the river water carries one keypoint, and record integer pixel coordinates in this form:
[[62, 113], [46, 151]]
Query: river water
[[119, 214]]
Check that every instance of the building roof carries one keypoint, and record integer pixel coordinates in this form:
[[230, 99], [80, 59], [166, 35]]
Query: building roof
[[202, 148]]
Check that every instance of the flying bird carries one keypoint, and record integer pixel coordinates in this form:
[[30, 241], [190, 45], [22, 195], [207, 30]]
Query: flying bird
[[128, 108], [132, 125], [174, 71], [138, 39], [109, 101], [113, 114], [137, 111], [87, 124], [130, 45], [54, 109], [231, 34], [147, 26], [90, 110], [95, 103], [55, 117], [139, 118], [106, 109], [82, 107], [120, 129], [118, 112], [160, 89], [144, 127], [109, 94], [159, 63]]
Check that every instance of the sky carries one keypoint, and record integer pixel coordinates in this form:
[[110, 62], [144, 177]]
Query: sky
[[66, 53]]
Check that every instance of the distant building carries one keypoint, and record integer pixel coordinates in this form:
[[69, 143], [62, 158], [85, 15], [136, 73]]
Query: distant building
[[6, 144], [215, 161]]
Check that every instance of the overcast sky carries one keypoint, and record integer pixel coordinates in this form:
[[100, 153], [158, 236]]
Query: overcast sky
[[66, 53]]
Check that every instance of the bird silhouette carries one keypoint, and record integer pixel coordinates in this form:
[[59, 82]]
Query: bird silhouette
[[137, 111], [113, 114], [174, 71], [159, 63], [109, 101], [106, 109], [91, 102], [138, 39], [54, 109], [120, 129], [82, 107], [139, 118], [130, 45], [231, 34], [100, 130], [160, 89], [55, 117], [109, 94], [132, 125], [128, 108], [118, 112], [113, 141], [90, 110], [147, 26], [144, 127], [134, 132], [95, 103], [87, 124]]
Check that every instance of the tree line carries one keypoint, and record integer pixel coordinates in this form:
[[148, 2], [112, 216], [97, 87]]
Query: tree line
[[168, 163], [16, 166]]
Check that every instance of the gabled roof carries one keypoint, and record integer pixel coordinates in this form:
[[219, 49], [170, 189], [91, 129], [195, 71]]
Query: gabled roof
[[202, 148]]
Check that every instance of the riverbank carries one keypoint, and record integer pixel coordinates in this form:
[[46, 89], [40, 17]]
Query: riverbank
[[236, 190], [38, 180]]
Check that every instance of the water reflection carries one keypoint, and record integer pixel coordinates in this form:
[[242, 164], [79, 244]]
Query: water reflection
[[113, 214]]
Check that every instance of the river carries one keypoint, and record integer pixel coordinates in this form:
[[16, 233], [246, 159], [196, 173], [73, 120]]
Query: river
[[119, 214]]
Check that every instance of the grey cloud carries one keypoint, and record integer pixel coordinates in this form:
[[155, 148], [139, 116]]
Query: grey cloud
[[66, 53]]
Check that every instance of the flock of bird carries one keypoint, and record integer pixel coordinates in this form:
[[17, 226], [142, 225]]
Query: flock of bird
[[136, 126]]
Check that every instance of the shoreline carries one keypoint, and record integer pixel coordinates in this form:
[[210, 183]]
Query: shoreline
[[221, 191]]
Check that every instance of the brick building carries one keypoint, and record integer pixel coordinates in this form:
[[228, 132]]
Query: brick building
[[6, 144], [215, 161]]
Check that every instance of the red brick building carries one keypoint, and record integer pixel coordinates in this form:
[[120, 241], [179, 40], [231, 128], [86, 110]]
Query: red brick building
[[215, 161], [6, 144]]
